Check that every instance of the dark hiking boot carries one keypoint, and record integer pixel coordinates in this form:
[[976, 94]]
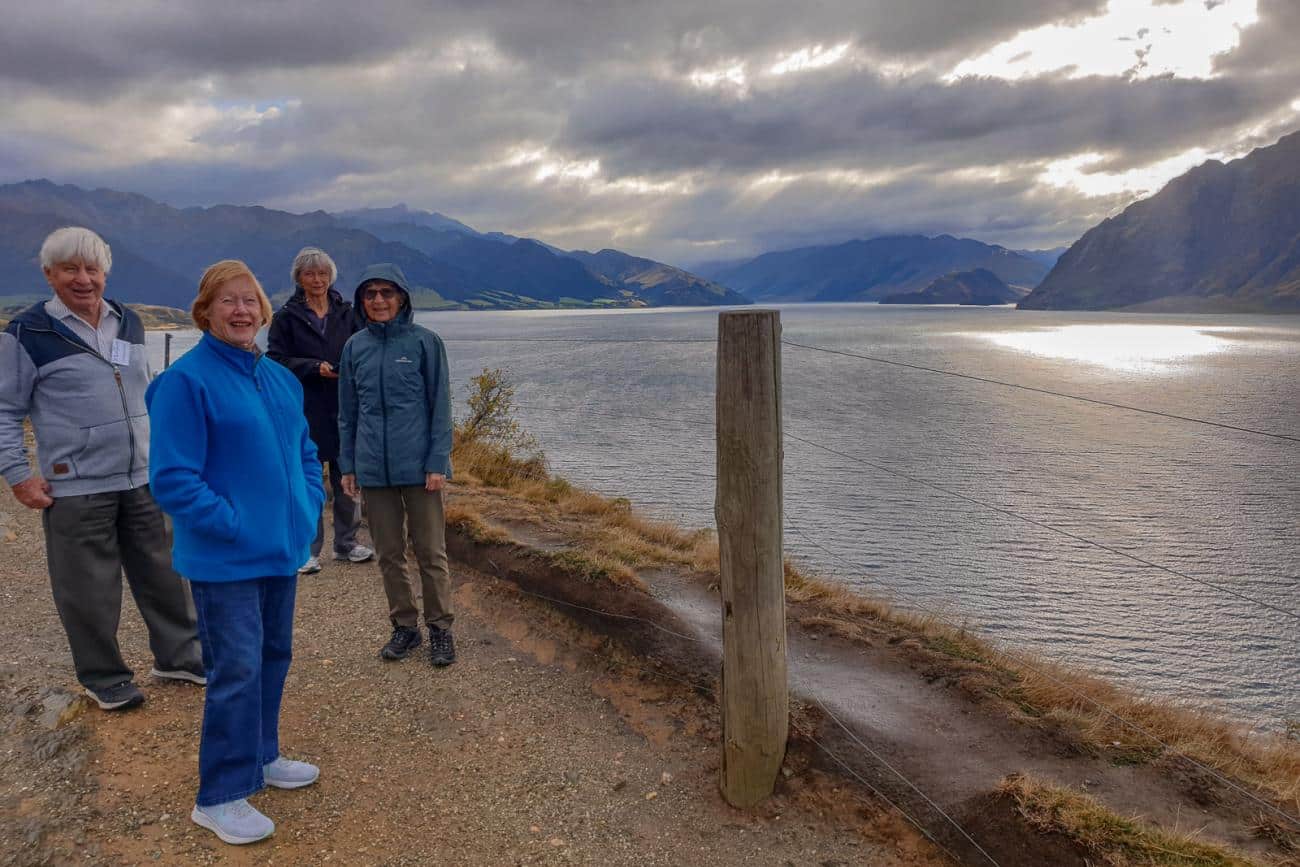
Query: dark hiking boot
[[442, 648], [404, 640], [119, 696]]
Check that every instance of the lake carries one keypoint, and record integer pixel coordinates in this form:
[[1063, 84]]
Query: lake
[[622, 402]]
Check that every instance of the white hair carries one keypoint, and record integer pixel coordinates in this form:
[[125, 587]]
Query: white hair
[[75, 244], [313, 257]]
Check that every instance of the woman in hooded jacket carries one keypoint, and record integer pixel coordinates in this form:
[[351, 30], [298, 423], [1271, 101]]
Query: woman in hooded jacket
[[307, 336], [395, 445]]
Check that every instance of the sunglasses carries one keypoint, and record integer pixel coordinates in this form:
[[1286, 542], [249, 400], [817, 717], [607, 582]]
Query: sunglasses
[[372, 294]]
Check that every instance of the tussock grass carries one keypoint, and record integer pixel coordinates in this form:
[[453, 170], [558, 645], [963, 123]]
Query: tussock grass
[[616, 541], [1109, 837], [593, 567], [471, 522], [1269, 763]]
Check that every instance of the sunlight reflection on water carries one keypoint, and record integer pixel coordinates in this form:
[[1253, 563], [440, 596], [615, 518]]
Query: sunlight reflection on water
[[1135, 348]]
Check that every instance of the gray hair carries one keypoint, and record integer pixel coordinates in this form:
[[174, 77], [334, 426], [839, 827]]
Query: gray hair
[[313, 257], [75, 244]]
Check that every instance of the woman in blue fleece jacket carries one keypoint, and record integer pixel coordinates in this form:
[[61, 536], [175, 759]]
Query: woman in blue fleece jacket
[[233, 465]]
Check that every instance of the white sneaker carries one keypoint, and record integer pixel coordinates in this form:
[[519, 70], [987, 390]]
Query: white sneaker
[[311, 567], [235, 822], [358, 554], [288, 774]]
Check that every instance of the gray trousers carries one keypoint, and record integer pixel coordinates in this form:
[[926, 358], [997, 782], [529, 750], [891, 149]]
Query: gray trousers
[[90, 540], [347, 517], [421, 511]]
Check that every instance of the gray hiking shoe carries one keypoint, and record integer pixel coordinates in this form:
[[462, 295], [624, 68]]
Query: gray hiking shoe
[[358, 554], [184, 674]]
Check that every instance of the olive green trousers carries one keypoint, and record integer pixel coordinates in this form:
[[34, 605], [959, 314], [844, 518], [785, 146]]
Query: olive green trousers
[[397, 514]]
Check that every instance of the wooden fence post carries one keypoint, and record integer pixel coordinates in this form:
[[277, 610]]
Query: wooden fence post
[[755, 699]]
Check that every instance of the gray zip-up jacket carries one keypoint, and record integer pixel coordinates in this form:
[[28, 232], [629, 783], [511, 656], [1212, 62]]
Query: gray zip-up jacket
[[92, 428]]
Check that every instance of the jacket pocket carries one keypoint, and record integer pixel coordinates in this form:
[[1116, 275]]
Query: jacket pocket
[[105, 451], [140, 431]]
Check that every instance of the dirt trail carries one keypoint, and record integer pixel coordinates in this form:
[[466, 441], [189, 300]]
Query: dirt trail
[[544, 744]]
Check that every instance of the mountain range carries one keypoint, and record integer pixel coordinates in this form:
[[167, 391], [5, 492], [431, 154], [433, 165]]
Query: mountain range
[[1224, 237], [977, 287], [872, 269], [159, 253]]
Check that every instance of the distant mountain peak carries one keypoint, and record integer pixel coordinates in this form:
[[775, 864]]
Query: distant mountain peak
[[871, 269], [1220, 237]]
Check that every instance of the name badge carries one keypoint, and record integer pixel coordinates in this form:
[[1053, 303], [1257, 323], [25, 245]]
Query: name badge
[[121, 353]]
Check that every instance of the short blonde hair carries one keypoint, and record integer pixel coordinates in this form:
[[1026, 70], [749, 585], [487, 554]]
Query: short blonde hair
[[214, 278]]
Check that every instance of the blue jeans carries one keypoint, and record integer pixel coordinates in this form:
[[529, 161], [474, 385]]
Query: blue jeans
[[246, 631]]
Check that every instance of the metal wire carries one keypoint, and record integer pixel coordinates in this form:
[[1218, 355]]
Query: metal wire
[[904, 778], [708, 689], [1129, 724], [1047, 391], [1019, 517]]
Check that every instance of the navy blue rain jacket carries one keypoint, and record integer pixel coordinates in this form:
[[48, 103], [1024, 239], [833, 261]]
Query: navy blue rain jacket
[[294, 342], [394, 396]]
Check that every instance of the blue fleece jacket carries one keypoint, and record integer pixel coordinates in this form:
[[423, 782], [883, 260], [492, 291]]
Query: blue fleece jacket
[[231, 462]]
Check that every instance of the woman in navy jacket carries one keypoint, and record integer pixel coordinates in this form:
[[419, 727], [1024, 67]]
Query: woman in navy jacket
[[233, 465], [307, 336]]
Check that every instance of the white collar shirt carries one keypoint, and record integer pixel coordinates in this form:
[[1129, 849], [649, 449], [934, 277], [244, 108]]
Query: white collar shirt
[[99, 339]]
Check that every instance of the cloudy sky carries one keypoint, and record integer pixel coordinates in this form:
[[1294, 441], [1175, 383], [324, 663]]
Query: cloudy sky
[[685, 130]]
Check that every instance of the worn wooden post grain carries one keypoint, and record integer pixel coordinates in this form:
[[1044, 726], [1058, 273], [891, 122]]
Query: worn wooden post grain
[[755, 701]]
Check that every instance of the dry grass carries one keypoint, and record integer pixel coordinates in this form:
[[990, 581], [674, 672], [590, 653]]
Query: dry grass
[[471, 523], [615, 542], [1107, 836], [1269, 763], [593, 567]]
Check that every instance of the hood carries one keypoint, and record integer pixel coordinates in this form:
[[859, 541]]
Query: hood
[[393, 274]]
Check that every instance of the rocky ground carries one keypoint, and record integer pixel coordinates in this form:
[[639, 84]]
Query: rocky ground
[[545, 744]]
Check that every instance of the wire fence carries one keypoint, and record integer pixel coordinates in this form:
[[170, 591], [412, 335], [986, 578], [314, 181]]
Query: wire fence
[[1284, 612]]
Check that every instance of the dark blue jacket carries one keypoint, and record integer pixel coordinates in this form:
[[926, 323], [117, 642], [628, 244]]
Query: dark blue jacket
[[294, 342], [233, 465], [394, 397]]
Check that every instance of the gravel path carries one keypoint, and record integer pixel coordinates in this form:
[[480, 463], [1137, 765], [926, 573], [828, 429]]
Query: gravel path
[[542, 745]]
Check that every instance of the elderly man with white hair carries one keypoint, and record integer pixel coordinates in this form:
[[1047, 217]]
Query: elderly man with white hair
[[76, 366]]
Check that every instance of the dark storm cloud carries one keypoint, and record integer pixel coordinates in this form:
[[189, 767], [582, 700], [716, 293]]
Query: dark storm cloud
[[562, 34], [1269, 48], [653, 126], [68, 42], [577, 121]]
